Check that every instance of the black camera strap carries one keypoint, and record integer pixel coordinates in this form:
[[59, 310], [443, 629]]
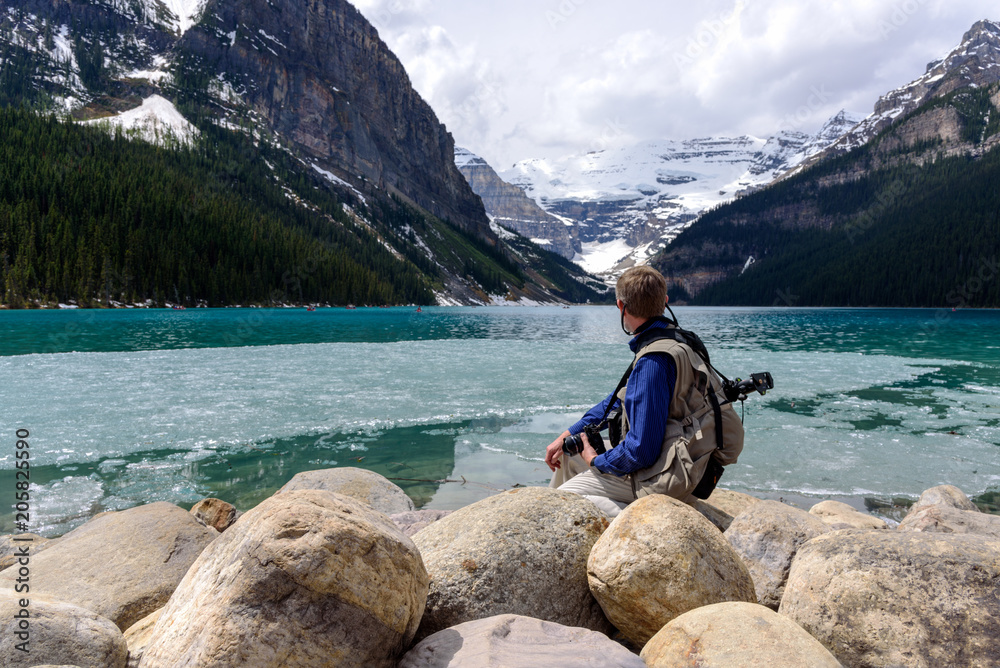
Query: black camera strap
[[614, 394]]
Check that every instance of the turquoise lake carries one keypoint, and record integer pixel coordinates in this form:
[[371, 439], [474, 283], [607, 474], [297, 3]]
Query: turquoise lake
[[125, 407]]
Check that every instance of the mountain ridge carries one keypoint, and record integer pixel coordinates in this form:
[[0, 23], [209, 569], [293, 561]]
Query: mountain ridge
[[940, 78], [620, 206], [312, 81], [894, 220]]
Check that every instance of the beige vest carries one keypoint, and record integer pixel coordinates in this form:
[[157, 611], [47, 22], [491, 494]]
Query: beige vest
[[689, 441]]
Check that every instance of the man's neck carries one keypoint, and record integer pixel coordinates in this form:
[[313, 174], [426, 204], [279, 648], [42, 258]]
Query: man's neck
[[642, 326]]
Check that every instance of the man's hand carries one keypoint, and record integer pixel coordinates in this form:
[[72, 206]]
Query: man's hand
[[588, 453], [553, 453]]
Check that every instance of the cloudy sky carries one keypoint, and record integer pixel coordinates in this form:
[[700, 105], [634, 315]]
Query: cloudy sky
[[544, 78]]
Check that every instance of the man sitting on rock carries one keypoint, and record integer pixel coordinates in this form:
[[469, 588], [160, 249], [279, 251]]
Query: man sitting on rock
[[671, 407]]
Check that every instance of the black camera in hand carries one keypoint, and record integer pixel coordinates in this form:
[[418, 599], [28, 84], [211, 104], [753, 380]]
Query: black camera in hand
[[737, 390], [573, 444]]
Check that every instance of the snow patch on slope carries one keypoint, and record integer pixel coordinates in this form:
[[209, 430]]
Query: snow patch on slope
[[333, 178], [156, 121], [186, 12]]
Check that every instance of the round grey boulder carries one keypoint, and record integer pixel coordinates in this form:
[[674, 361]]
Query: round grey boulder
[[521, 552], [57, 633], [659, 559], [944, 495], [307, 578], [122, 565], [890, 598], [413, 521], [767, 536], [367, 486], [724, 635], [513, 641]]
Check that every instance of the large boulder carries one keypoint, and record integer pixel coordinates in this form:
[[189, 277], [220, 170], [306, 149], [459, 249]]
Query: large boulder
[[767, 536], [889, 598], [723, 635], [513, 641], [122, 565], [361, 484], [522, 552], [307, 578], [730, 502], [659, 559], [944, 495], [948, 519], [57, 633], [837, 513]]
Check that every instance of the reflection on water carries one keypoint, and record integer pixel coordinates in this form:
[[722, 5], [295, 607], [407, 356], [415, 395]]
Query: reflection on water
[[25, 332], [968, 335], [441, 464]]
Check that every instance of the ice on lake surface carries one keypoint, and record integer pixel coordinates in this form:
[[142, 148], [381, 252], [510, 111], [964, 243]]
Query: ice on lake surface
[[155, 406]]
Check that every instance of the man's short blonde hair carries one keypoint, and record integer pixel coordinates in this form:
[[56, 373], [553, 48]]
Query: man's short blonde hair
[[644, 291]]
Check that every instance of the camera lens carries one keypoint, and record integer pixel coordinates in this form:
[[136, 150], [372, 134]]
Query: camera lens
[[573, 445]]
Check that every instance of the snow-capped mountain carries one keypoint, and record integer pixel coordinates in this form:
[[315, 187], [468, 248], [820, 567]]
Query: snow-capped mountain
[[974, 63], [914, 175], [508, 206], [625, 204]]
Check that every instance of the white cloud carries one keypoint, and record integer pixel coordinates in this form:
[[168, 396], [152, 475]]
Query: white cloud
[[544, 78]]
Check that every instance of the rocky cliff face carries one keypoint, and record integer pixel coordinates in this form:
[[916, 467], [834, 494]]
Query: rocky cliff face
[[307, 78], [318, 73], [509, 206], [313, 73]]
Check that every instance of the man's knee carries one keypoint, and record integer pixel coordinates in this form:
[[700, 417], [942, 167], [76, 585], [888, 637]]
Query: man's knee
[[609, 507]]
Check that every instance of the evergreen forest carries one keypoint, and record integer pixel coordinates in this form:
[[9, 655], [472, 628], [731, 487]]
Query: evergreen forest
[[866, 228], [96, 218]]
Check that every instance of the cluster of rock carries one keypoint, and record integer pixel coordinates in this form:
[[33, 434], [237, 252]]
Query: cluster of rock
[[324, 573]]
